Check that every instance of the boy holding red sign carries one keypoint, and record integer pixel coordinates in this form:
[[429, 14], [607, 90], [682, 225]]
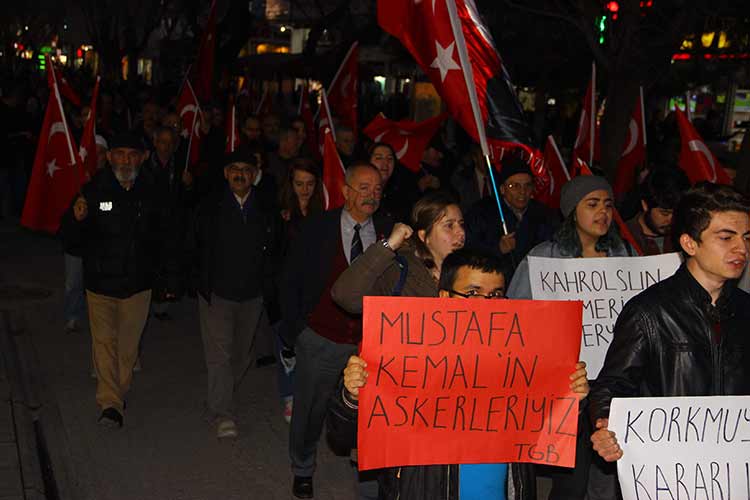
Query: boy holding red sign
[[465, 274]]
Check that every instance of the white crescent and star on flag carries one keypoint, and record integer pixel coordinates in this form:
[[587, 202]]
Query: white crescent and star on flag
[[444, 61], [52, 167], [700, 147], [404, 149]]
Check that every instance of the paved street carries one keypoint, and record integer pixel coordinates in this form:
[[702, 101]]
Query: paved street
[[165, 451]]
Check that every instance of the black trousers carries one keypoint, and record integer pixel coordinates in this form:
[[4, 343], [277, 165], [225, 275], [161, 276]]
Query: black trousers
[[317, 372]]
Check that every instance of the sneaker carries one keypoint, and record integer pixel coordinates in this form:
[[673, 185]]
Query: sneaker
[[92, 374], [71, 326], [226, 429], [137, 366], [110, 418], [288, 405]]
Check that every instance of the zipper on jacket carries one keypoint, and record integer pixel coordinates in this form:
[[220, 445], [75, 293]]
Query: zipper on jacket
[[448, 485], [398, 484]]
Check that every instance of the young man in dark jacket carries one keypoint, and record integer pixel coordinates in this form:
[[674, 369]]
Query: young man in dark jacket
[[235, 236], [121, 224], [687, 335], [465, 274]]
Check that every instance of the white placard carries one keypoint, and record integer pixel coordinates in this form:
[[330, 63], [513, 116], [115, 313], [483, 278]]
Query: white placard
[[604, 285], [695, 448]]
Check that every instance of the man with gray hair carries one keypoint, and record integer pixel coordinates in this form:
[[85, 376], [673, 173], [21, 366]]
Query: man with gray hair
[[323, 334], [121, 226]]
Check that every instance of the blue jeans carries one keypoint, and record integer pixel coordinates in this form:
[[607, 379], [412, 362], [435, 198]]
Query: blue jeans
[[74, 302]]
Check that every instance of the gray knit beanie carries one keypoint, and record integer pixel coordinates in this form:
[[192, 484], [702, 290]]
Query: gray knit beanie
[[577, 188]]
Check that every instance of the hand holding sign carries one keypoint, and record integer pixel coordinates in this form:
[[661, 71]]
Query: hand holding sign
[[683, 447], [605, 441], [355, 376]]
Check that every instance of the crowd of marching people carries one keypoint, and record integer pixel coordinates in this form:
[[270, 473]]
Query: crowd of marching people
[[246, 234]]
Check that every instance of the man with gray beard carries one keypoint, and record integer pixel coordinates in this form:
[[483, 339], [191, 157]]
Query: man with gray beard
[[120, 222]]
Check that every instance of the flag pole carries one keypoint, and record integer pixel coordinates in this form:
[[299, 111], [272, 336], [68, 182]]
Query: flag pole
[[643, 127], [192, 127], [324, 98], [73, 161], [559, 156], [592, 124], [463, 55]]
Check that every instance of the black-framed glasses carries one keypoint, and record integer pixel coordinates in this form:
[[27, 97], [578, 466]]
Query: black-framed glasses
[[473, 294]]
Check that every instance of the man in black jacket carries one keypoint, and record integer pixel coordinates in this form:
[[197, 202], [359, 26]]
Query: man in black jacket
[[687, 335], [120, 222], [529, 222], [235, 238], [324, 334]]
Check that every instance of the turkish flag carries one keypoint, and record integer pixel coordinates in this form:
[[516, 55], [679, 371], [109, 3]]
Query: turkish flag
[[425, 28], [190, 115], [557, 174], [265, 105], [203, 69], [63, 86], [408, 139], [343, 91], [333, 174], [698, 162], [56, 176], [586, 139], [87, 155], [325, 122], [583, 169], [633, 152], [230, 127]]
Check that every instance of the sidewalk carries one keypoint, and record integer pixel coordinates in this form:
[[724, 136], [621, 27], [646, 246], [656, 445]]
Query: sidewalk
[[165, 450]]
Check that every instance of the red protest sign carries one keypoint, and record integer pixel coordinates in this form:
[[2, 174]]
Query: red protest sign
[[455, 381]]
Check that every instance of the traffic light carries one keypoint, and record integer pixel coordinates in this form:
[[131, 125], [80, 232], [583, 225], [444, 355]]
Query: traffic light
[[601, 25], [613, 8]]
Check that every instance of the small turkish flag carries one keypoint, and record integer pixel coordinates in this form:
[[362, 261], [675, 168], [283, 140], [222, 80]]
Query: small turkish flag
[[407, 138], [325, 123], [55, 176], [556, 172], [698, 162], [343, 91], [63, 86], [230, 127], [87, 152], [190, 115], [633, 152], [586, 138], [333, 174]]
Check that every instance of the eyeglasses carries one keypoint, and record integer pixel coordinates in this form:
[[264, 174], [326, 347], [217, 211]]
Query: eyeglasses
[[520, 186], [377, 190], [473, 294]]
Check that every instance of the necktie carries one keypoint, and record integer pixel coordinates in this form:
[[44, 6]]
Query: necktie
[[356, 248]]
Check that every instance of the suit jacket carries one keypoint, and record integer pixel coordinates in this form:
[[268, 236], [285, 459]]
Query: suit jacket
[[307, 267]]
